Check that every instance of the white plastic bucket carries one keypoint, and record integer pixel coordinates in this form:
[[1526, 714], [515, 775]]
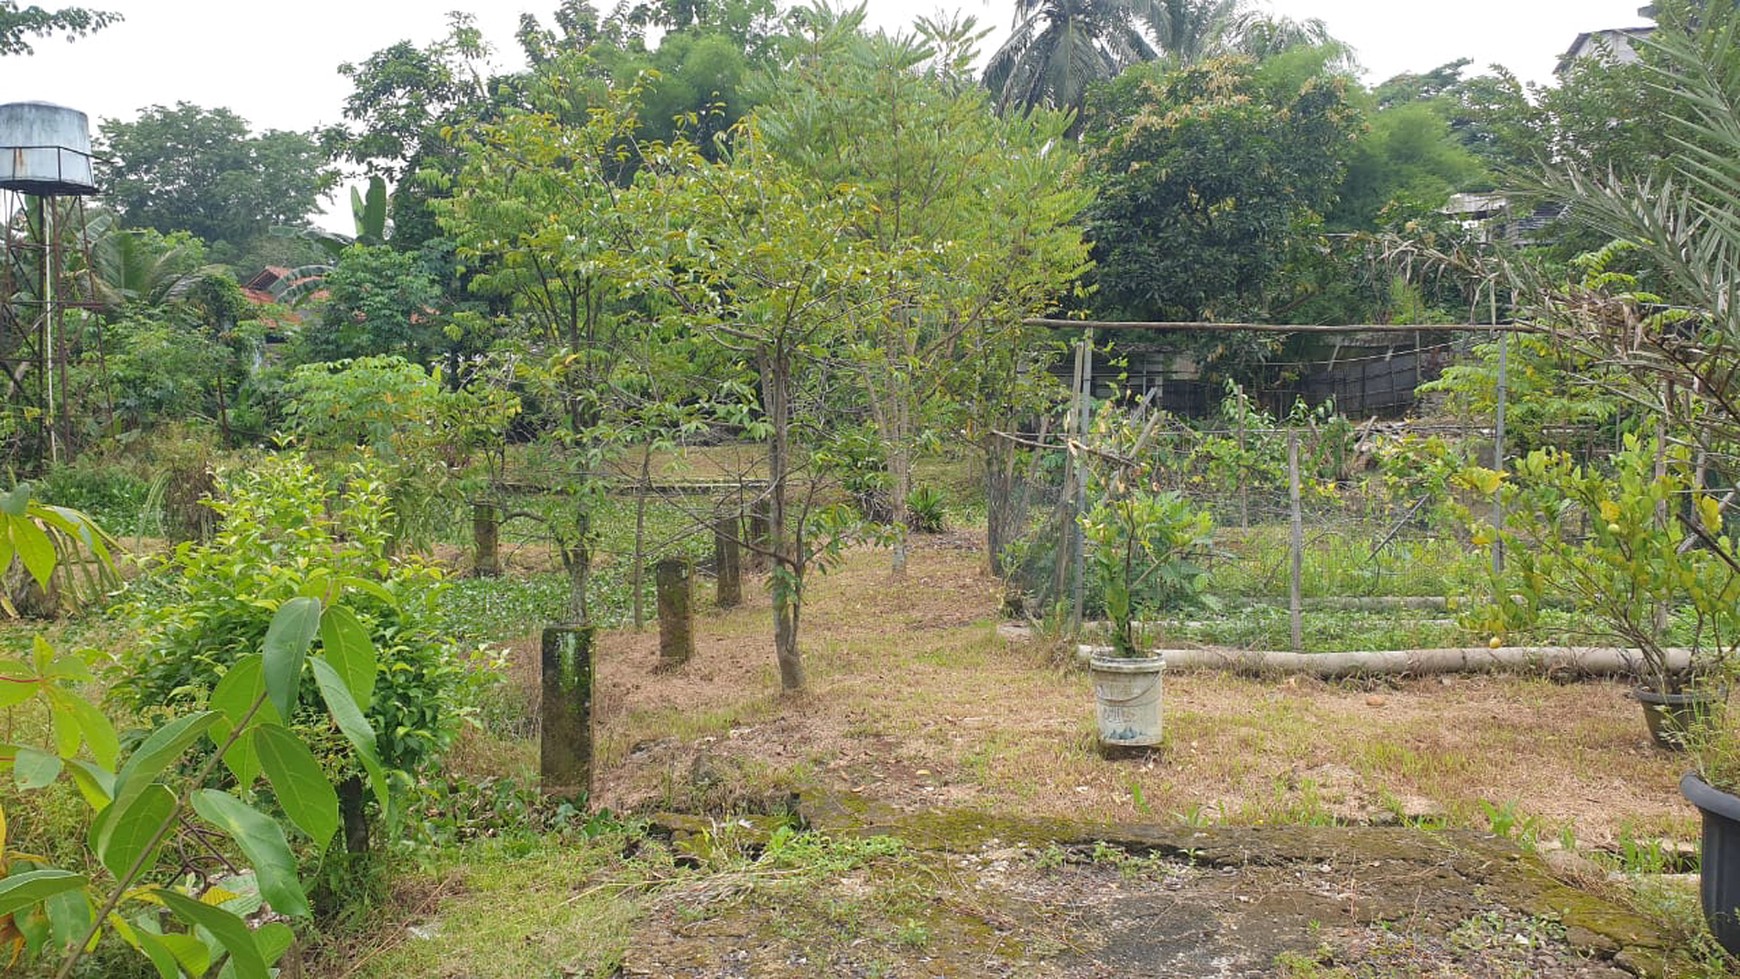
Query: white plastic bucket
[[1127, 695]]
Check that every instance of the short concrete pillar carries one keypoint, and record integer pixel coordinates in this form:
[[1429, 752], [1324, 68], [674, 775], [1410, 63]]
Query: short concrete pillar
[[761, 533], [727, 562], [565, 745], [674, 581]]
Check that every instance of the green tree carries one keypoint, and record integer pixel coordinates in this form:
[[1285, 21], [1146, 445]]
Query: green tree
[[1060, 47], [379, 301], [1206, 177], [19, 24], [201, 170], [974, 218]]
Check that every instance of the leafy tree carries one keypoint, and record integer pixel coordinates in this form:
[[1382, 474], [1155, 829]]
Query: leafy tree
[[378, 302], [1060, 47], [201, 170], [974, 216], [406, 99], [1206, 176], [1407, 153], [19, 24]]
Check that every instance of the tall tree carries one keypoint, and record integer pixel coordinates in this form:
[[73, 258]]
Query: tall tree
[[973, 218], [19, 24], [188, 168], [1060, 47]]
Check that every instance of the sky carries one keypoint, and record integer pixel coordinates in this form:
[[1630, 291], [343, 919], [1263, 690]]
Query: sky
[[276, 64]]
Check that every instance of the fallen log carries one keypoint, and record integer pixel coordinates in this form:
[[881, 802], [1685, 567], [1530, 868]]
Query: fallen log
[[1581, 661]]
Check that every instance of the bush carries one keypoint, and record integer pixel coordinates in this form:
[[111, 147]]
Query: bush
[[926, 510], [284, 534]]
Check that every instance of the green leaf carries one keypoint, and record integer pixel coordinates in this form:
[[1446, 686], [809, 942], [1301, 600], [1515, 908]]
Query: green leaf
[[88, 723], [372, 588], [35, 768], [274, 939], [69, 916], [152, 946], [235, 694], [230, 931], [354, 725], [122, 832], [287, 641], [20, 891], [262, 841], [307, 797], [34, 549], [17, 502], [345, 641], [165, 746], [18, 683], [96, 784]]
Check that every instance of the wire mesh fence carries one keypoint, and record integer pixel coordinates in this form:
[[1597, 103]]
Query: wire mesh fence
[[1311, 512]]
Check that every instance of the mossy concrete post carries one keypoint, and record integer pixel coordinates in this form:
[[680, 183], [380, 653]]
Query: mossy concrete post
[[674, 581], [727, 563], [761, 533], [486, 540], [565, 748]]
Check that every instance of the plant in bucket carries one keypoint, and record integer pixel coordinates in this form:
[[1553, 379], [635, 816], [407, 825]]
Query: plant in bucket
[[1144, 548], [1639, 552], [1713, 786]]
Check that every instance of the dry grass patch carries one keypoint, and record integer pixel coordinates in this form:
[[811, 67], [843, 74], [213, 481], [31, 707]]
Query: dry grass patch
[[916, 700]]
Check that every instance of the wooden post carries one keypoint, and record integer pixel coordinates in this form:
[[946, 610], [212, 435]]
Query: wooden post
[[565, 740], [486, 540], [728, 568], [675, 581], [1294, 602]]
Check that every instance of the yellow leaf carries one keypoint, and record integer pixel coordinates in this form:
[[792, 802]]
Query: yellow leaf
[[1710, 511], [1609, 511]]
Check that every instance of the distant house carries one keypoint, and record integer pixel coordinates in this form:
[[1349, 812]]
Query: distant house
[[1617, 45], [1490, 215]]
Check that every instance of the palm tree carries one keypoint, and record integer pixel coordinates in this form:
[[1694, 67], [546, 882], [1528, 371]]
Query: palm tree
[[1190, 30], [1060, 47]]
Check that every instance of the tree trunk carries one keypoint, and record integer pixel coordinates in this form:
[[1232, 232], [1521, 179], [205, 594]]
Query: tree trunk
[[900, 475], [486, 540], [350, 806], [788, 557], [727, 564], [675, 580]]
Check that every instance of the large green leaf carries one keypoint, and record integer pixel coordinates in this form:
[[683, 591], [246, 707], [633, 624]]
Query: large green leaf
[[91, 724], [230, 931], [35, 768], [302, 788], [95, 783], [18, 683], [354, 725], [274, 939], [20, 891], [262, 841], [346, 644], [287, 641], [153, 947], [34, 549], [122, 833], [235, 695], [163, 748]]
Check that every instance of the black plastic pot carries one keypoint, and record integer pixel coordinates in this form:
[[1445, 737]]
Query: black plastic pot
[[1719, 867], [1671, 715]]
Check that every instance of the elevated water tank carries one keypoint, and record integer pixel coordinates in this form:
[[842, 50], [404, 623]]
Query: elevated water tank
[[45, 150]]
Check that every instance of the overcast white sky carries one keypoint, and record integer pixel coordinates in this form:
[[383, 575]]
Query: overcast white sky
[[276, 64]]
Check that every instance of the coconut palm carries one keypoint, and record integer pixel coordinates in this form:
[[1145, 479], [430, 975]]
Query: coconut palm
[[1060, 47], [1190, 30]]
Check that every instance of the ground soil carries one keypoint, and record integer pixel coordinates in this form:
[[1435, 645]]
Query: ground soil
[[917, 707]]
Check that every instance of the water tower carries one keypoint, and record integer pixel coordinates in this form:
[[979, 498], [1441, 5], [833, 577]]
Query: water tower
[[45, 174]]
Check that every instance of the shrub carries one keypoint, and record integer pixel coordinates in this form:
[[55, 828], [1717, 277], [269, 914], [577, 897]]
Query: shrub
[[285, 534], [926, 509]]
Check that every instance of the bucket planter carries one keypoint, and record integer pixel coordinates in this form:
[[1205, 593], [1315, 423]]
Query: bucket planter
[[1719, 874], [1127, 699], [1670, 715]]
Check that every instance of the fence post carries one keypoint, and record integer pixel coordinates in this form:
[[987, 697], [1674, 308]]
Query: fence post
[[1297, 565], [565, 735], [727, 564], [676, 592]]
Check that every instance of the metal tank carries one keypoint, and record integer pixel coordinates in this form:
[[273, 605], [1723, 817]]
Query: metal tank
[[45, 150]]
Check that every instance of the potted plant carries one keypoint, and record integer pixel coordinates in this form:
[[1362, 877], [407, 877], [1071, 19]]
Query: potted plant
[[1639, 553], [1713, 786], [1143, 550]]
